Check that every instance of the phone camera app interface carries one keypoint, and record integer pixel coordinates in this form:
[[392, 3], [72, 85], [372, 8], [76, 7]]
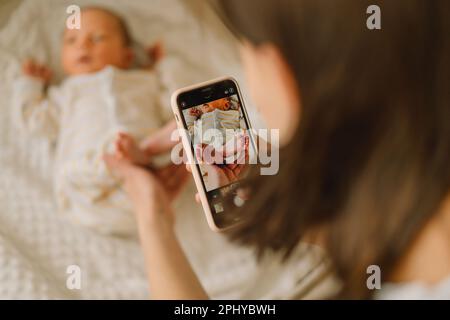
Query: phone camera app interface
[[221, 145]]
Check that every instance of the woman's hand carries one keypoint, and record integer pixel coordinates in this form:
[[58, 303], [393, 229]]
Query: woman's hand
[[169, 273], [149, 193]]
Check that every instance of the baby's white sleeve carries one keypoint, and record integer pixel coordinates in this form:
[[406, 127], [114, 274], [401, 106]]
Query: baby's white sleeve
[[34, 111]]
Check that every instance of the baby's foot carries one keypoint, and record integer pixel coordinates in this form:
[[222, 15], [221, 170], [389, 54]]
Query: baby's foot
[[127, 148]]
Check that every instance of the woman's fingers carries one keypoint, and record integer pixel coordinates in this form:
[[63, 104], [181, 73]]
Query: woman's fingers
[[240, 169], [175, 181], [172, 178], [230, 175], [178, 178], [243, 160]]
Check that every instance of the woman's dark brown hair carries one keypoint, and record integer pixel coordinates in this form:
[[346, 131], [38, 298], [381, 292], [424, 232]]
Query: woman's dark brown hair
[[370, 161]]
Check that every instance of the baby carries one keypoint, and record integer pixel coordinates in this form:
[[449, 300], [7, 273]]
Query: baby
[[83, 116]]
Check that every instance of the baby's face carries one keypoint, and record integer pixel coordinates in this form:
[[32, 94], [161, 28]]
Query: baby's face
[[99, 43], [220, 104]]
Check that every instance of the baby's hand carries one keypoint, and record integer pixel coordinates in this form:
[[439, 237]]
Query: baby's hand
[[127, 148], [32, 69], [156, 52]]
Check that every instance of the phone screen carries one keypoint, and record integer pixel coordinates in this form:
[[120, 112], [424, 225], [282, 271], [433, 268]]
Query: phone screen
[[221, 143]]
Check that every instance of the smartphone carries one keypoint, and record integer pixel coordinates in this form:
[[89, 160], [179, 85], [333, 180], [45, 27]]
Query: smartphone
[[218, 141]]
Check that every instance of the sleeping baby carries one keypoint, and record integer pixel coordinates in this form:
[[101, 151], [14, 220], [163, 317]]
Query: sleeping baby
[[100, 97]]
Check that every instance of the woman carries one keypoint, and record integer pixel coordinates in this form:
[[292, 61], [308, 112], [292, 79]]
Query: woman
[[365, 135]]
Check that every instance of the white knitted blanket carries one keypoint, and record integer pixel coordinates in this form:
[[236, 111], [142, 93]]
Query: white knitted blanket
[[37, 245]]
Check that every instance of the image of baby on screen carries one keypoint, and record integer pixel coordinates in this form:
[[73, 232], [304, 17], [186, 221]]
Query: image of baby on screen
[[219, 136]]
